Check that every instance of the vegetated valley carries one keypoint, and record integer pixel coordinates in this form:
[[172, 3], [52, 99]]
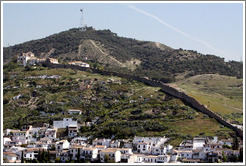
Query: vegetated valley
[[120, 108]]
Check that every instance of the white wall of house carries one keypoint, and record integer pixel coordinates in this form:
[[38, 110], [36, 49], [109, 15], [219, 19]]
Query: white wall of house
[[116, 156], [64, 123], [163, 158]]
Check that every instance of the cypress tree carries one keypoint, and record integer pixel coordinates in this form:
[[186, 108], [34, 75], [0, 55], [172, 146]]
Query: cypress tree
[[78, 155], [39, 157], [22, 157], [235, 143]]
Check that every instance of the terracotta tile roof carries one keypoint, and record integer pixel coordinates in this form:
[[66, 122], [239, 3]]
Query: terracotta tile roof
[[9, 153], [152, 156], [110, 150], [100, 146]]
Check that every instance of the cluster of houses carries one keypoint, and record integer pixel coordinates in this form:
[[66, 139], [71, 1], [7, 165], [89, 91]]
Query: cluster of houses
[[29, 141], [30, 59]]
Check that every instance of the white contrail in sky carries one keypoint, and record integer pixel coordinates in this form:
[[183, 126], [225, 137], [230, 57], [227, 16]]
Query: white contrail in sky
[[173, 28]]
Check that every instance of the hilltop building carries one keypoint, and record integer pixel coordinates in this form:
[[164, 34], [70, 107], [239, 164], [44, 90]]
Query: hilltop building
[[30, 59]]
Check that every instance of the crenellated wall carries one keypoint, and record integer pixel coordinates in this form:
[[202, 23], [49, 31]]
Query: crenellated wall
[[165, 88]]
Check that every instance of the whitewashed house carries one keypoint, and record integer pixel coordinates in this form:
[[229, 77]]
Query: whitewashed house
[[114, 144], [63, 155], [88, 153], [62, 145], [112, 153], [32, 134], [64, 123], [30, 153], [143, 147], [101, 142], [74, 149], [183, 153], [72, 130], [125, 154], [25, 57], [9, 157], [79, 141], [51, 134], [150, 159], [19, 136], [163, 158], [198, 142]]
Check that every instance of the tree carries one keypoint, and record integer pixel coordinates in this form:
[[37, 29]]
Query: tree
[[57, 160], [43, 156], [241, 155], [48, 155], [224, 157], [39, 156], [235, 145], [78, 155], [22, 157], [106, 158]]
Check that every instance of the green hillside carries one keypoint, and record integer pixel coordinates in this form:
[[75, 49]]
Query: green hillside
[[124, 108], [221, 94], [144, 58]]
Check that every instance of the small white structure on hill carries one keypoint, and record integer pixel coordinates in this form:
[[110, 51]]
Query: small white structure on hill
[[24, 57], [65, 123], [74, 111], [79, 63]]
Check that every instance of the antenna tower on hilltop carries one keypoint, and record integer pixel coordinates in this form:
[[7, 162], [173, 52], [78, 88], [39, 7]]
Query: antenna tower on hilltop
[[82, 24]]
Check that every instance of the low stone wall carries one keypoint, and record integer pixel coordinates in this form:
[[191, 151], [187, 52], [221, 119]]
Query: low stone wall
[[165, 88]]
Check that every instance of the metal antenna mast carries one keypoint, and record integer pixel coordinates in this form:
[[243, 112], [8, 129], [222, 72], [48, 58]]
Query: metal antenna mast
[[82, 24]]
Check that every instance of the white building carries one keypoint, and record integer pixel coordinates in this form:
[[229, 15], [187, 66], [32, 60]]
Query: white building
[[52, 60], [74, 149], [25, 57], [72, 131], [64, 123], [112, 153], [198, 142], [163, 158], [9, 157], [51, 134], [30, 153], [79, 63], [101, 142], [147, 144], [150, 159], [62, 145], [19, 136], [73, 111], [88, 153], [143, 147], [79, 141]]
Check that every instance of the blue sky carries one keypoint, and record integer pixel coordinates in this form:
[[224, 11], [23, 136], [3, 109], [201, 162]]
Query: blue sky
[[209, 28]]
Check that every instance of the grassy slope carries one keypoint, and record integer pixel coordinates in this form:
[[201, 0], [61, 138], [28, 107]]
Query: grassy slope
[[222, 94], [179, 125]]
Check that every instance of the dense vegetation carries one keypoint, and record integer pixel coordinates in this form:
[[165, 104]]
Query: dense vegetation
[[118, 107], [157, 62]]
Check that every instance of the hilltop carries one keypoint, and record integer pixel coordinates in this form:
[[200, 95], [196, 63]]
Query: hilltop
[[144, 58]]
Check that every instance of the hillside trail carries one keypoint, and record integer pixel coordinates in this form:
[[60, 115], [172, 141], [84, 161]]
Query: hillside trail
[[98, 47]]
